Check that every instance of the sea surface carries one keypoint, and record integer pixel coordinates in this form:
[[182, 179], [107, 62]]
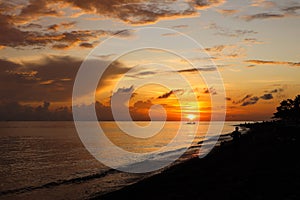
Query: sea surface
[[47, 160]]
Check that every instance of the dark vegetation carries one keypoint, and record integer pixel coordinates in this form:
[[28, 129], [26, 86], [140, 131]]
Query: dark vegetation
[[289, 110]]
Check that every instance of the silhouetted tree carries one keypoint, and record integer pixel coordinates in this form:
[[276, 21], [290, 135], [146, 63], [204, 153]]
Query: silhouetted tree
[[289, 110]]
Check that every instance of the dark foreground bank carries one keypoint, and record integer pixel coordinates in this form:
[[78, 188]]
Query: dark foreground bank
[[265, 165]]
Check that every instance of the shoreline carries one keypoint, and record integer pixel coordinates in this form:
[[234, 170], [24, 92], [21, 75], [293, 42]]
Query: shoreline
[[262, 163]]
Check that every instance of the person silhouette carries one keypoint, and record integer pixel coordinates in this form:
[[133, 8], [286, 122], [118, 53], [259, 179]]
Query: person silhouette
[[236, 136]]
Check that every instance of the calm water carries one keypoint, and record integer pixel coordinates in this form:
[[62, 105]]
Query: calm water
[[47, 159]]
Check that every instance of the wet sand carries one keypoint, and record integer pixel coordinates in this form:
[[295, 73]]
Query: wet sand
[[266, 165]]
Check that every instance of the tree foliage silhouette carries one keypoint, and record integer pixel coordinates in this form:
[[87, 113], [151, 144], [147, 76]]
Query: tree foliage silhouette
[[289, 109]]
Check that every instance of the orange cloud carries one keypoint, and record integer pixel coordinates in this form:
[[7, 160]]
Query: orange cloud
[[132, 11], [227, 12], [266, 62]]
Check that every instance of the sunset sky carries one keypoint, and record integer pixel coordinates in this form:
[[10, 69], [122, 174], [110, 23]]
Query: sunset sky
[[254, 44]]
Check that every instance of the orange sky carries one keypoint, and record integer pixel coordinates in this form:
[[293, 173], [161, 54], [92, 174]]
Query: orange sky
[[253, 45]]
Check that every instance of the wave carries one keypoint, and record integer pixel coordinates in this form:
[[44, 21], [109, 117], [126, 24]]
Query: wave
[[59, 182]]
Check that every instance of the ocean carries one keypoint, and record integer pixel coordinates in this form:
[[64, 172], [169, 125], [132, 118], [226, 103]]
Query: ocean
[[47, 160]]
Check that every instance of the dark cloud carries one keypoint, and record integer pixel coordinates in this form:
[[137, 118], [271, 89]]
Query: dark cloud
[[218, 48], [12, 36], [292, 10], [170, 34], [228, 99], [60, 46], [125, 90], [180, 26], [243, 99], [205, 69], [168, 94], [50, 78], [31, 26], [250, 101], [14, 111], [65, 25], [277, 90], [129, 11], [262, 16], [132, 12], [139, 111], [208, 3], [228, 32], [280, 11], [86, 45], [53, 27], [36, 9], [142, 74], [226, 52], [267, 62], [252, 41], [210, 90], [267, 96], [142, 11], [23, 81]]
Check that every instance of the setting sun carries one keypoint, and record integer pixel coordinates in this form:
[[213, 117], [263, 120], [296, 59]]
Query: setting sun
[[191, 116]]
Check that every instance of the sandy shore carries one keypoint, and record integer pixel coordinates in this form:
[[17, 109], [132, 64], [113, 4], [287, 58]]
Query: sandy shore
[[266, 165]]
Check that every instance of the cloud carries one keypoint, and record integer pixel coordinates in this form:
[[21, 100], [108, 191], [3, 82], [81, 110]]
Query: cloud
[[227, 12], [141, 74], [218, 48], [132, 12], [204, 69], [86, 45], [170, 34], [277, 90], [168, 94], [105, 57], [243, 99], [228, 32], [31, 26], [263, 3], [180, 26], [124, 90], [48, 79], [140, 110], [18, 112], [267, 96], [262, 16], [36, 9], [292, 10], [226, 51], [250, 101], [210, 90], [17, 27], [201, 4], [12, 35], [65, 25], [280, 11], [267, 62], [252, 41]]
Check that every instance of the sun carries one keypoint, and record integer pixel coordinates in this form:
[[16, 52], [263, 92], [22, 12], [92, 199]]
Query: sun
[[191, 116]]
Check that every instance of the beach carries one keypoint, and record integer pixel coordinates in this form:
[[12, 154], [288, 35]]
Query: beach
[[264, 166]]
